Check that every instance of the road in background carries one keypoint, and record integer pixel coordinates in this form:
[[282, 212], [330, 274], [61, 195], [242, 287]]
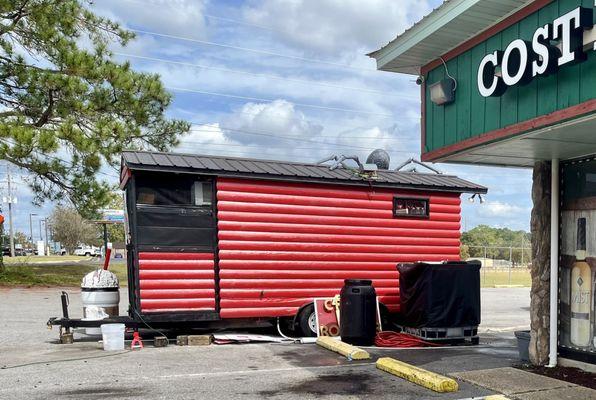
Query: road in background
[[505, 309]]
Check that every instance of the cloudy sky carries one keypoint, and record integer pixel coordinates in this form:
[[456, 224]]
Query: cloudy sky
[[290, 80]]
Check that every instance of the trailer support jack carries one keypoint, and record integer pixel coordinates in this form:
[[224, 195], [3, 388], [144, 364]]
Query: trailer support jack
[[66, 335]]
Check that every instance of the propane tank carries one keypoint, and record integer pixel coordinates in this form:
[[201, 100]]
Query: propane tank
[[100, 296], [581, 284]]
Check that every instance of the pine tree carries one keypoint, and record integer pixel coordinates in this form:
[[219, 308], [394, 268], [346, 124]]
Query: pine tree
[[66, 107]]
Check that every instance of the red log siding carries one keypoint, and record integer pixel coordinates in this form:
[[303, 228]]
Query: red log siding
[[176, 281], [281, 244]]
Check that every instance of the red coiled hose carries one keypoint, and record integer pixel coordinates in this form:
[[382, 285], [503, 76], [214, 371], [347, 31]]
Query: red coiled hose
[[395, 339]]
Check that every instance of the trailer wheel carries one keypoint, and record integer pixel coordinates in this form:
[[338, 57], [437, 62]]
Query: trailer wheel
[[307, 321]]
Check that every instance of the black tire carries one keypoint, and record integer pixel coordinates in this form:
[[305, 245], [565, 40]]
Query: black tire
[[87, 254], [305, 318], [475, 340]]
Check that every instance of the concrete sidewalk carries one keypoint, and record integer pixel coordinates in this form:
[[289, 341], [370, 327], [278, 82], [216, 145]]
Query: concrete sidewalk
[[523, 385]]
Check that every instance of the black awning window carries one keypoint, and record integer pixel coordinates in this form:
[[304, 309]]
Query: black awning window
[[174, 191]]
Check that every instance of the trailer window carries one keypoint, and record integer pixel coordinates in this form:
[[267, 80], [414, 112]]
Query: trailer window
[[202, 193], [410, 207], [174, 192]]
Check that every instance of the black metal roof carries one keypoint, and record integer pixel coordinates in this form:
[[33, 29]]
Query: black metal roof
[[291, 171]]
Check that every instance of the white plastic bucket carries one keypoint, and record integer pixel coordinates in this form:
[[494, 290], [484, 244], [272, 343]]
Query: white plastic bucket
[[113, 337], [107, 299]]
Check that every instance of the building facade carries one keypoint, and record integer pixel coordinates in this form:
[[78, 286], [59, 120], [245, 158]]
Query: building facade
[[513, 83]]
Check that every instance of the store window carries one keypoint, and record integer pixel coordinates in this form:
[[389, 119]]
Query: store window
[[410, 207]]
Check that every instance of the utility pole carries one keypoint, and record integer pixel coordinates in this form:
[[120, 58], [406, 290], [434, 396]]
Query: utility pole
[[31, 231], [522, 253], [10, 200], [47, 246], [510, 262]]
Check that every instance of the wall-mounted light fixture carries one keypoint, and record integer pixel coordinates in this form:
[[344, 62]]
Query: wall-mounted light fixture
[[480, 198], [443, 91]]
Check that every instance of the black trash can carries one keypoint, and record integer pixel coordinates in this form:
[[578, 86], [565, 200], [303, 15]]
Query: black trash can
[[358, 312]]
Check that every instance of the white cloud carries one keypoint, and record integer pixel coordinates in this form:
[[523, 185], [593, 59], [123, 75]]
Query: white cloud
[[501, 209], [173, 17], [277, 130], [333, 27], [279, 116], [205, 139]]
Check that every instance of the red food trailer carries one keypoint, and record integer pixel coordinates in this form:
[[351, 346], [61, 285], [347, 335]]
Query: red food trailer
[[222, 240]]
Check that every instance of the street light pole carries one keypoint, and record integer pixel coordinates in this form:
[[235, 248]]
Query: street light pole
[[31, 229]]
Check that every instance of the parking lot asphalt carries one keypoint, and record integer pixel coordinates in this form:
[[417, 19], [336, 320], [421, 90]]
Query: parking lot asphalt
[[34, 366]]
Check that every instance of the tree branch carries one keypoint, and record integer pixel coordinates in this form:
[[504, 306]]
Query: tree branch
[[9, 114], [46, 114], [16, 18]]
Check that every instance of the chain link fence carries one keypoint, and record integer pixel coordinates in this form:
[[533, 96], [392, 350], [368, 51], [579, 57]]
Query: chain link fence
[[503, 265]]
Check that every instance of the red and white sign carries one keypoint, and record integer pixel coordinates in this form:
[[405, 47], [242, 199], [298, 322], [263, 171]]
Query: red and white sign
[[328, 319]]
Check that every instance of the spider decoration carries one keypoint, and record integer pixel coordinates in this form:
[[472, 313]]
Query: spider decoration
[[340, 160]]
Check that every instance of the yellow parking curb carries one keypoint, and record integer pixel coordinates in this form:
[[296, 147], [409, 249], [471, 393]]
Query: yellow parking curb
[[496, 397], [351, 352], [416, 375]]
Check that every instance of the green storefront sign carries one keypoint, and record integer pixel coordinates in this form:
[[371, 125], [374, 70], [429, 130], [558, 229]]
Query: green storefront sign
[[544, 74]]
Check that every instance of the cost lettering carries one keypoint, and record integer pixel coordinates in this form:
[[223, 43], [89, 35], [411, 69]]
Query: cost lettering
[[523, 60]]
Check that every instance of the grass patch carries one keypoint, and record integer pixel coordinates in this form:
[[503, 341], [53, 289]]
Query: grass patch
[[490, 277], [71, 275], [54, 275], [38, 259]]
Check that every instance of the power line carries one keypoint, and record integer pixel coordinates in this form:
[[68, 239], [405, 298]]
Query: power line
[[273, 135], [39, 153], [271, 101], [204, 128], [252, 152], [265, 146], [235, 21], [257, 51], [210, 16], [278, 116], [270, 76]]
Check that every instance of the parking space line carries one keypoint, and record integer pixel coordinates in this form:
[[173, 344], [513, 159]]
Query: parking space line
[[491, 397]]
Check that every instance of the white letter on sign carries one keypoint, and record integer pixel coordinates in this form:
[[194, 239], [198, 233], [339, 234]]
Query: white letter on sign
[[568, 29], [515, 63], [546, 62], [488, 83]]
